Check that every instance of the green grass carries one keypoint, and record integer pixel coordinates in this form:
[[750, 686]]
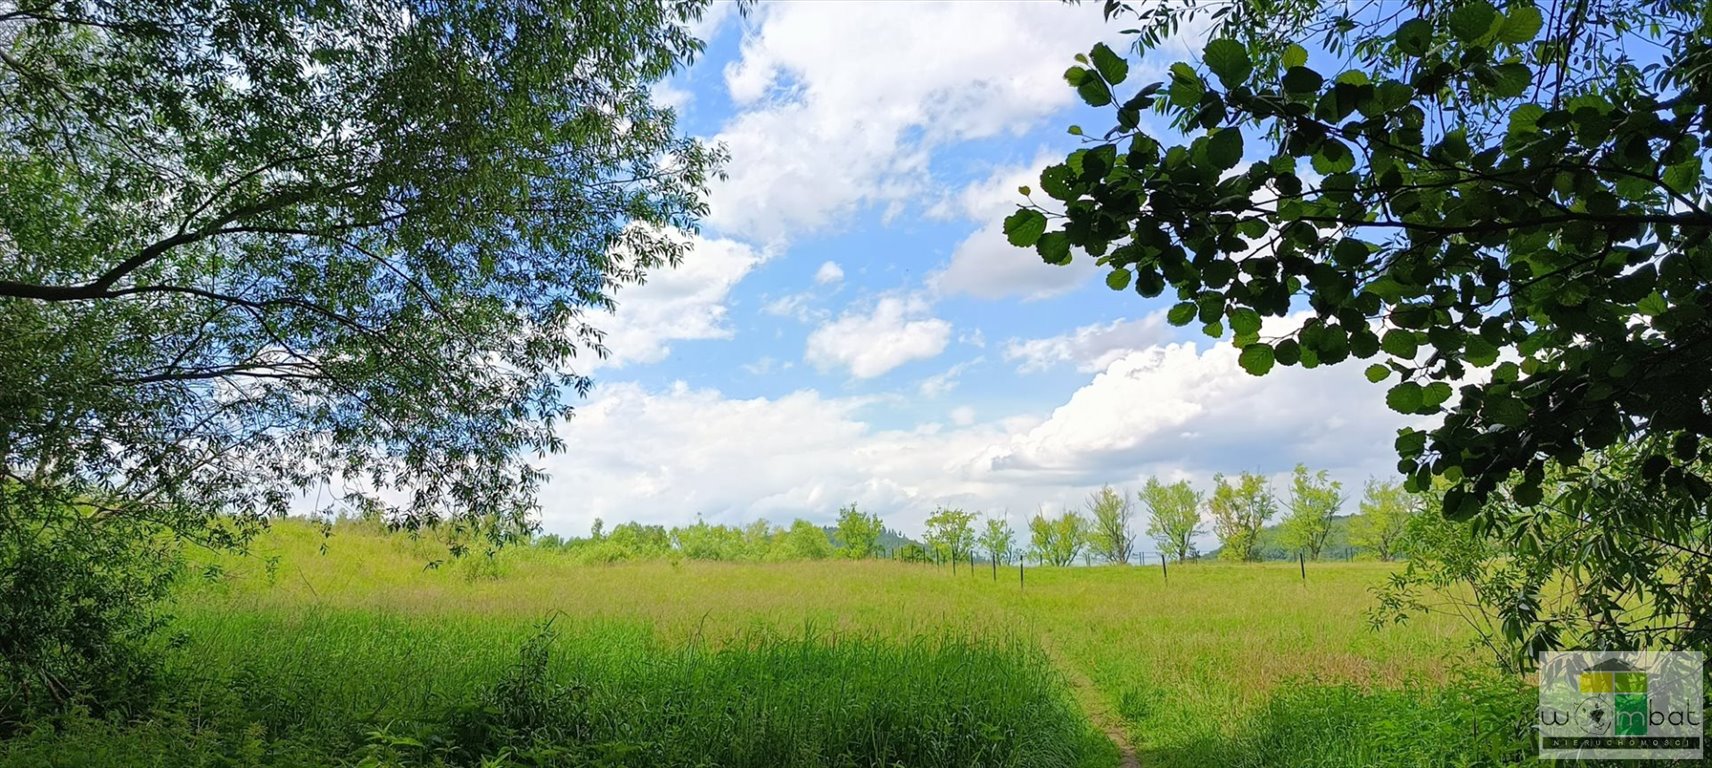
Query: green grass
[[327, 687], [362, 653]]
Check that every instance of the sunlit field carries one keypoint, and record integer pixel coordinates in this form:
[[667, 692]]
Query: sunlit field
[[379, 648]]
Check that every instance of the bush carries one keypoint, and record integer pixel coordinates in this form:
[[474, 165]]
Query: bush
[[80, 598]]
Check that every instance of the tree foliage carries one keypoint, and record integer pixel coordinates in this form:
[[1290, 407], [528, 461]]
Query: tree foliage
[[1238, 511], [250, 248], [1109, 535], [1173, 516], [950, 534], [998, 540], [1544, 577], [859, 533], [1314, 499], [1449, 187], [1057, 541], [1386, 513]]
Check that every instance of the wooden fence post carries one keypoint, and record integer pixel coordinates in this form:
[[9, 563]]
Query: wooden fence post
[[1302, 560], [1162, 568]]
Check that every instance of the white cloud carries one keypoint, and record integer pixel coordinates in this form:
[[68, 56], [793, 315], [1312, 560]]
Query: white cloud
[[798, 306], [829, 272], [668, 94], [684, 303], [985, 264], [1090, 347], [945, 381], [1175, 404], [1173, 410], [766, 365], [895, 331], [844, 103]]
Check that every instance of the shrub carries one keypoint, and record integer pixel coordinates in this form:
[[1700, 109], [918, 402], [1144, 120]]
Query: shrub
[[80, 598]]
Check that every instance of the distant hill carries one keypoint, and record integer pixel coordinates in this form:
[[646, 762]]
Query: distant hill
[[1337, 543]]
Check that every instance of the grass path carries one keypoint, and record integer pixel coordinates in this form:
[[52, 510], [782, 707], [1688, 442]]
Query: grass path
[[1095, 704]]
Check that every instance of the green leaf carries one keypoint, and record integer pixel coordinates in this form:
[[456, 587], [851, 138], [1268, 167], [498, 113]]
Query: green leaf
[[1479, 352], [1112, 67], [1433, 395], [1301, 80], [1524, 120], [1055, 181], [1653, 305], [1256, 358], [1186, 87], [1460, 505], [1118, 279], [1054, 248], [1229, 60], [1414, 37], [1224, 148], [1182, 314], [1512, 80], [1350, 252], [1295, 55], [1473, 21], [1244, 321], [1521, 24], [1025, 227], [1410, 441], [1149, 283], [1075, 76], [1094, 93], [1377, 373], [1400, 344], [1506, 410], [1404, 397], [1334, 157], [1683, 178]]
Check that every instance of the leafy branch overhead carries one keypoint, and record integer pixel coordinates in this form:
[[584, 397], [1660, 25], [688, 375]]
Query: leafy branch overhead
[[254, 249], [1495, 205]]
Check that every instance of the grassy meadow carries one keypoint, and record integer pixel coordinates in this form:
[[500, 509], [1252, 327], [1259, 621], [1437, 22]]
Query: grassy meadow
[[355, 650]]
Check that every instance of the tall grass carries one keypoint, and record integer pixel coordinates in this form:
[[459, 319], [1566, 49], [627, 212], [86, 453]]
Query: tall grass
[[364, 652], [320, 687]]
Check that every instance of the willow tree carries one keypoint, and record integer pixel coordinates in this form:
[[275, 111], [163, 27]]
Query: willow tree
[[251, 248]]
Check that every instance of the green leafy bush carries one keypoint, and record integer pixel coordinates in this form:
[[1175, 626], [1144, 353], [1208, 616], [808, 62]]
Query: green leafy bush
[[80, 600]]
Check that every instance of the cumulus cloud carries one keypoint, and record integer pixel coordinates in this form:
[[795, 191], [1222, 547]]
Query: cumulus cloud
[[681, 304], [843, 104], [985, 264], [1175, 410], [1177, 404], [894, 331], [1090, 348], [829, 272]]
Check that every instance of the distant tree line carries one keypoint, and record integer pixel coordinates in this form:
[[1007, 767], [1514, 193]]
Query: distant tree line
[[858, 535], [1172, 516]]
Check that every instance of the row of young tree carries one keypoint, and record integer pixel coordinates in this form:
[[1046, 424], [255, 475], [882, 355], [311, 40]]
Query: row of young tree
[[1176, 514]]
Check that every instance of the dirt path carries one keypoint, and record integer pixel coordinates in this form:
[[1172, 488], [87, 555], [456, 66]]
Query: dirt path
[[1094, 703]]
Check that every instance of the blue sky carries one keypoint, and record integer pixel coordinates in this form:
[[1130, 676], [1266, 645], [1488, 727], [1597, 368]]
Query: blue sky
[[851, 325]]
